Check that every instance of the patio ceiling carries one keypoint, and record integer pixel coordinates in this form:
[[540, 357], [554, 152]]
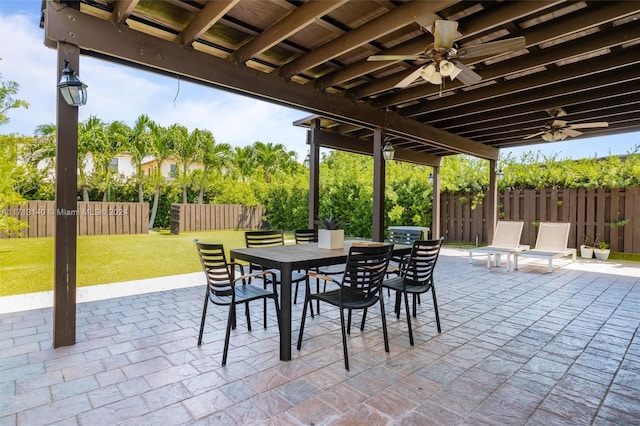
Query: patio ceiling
[[580, 55]]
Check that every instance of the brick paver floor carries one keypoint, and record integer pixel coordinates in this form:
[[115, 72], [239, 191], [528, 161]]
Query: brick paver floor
[[517, 348]]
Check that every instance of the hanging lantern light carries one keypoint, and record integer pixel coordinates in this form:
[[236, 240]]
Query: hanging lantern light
[[72, 89]]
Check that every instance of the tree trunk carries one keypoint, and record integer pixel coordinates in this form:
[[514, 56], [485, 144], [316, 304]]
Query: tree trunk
[[140, 193], [184, 195], [105, 198], [154, 208], [200, 195], [85, 193]]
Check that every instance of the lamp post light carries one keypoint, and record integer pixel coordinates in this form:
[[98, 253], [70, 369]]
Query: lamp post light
[[499, 175], [430, 178], [72, 89], [307, 160], [387, 151]]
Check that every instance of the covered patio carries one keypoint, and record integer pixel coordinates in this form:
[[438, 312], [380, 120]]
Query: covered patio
[[523, 347]]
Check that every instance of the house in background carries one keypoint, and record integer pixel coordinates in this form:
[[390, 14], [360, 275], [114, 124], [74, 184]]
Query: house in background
[[169, 167]]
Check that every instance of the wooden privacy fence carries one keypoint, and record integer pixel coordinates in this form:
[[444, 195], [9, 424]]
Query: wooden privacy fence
[[612, 216], [94, 218], [211, 217]]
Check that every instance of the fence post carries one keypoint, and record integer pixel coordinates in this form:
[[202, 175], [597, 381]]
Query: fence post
[[175, 219]]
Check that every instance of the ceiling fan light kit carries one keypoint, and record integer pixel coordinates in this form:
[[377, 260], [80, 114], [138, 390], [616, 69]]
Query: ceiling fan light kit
[[558, 130], [448, 69], [442, 53]]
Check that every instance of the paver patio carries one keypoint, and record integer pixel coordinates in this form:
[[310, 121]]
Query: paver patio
[[520, 347]]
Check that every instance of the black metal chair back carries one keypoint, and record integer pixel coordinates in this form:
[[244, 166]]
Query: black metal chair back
[[404, 236], [306, 236], [420, 264], [364, 272], [217, 271], [264, 238]]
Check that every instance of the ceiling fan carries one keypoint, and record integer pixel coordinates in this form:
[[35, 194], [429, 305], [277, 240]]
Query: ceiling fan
[[558, 130], [442, 52]]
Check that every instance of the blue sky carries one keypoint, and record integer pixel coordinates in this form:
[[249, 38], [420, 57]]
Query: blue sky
[[121, 93]]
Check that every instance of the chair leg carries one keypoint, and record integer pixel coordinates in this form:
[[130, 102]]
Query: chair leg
[[344, 339], [348, 322], [204, 316], [228, 333], [435, 307], [406, 308], [364, 318], [397, 307], [246, 311], [295, 294], [233, 320], [415, 305], [384, 324], [307, 301]]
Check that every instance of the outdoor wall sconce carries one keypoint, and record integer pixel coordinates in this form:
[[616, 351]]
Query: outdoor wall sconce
[[499, 175], [72, 89], [307, 160], [430, 178], [387, 151]]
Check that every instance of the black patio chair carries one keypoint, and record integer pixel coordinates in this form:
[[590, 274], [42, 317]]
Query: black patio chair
[[224, 289], [307, 236], [270, 238], [359, 289], [416, 277]]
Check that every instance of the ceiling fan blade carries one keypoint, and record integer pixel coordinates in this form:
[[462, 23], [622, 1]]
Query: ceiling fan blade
[[589, 125], [493, 48], [409, 78], [570, 132], [558, 124], [394, 57], [534, 135], [444, 34], [467, 76]]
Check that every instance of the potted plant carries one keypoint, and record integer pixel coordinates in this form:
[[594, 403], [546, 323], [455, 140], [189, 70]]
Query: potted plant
[[602, 250], [330, 233], [586, 250]]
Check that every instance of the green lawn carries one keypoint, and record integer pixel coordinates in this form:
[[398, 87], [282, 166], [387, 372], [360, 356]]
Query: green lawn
[[26, 265]]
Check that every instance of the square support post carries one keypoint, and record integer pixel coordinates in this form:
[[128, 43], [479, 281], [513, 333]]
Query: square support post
[[378, 186], [313, 136], [492, 202], [435, 206], [66, 209]]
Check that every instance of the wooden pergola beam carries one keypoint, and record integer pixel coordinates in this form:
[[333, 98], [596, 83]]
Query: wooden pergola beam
[[211, 13], [290, 24], [122, 10]]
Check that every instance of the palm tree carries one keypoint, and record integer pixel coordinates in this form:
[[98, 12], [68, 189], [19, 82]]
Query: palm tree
[[244, 162], [140, 146], [117, 134], [162, 144], [213, 156], [91, 133], [185, 147]]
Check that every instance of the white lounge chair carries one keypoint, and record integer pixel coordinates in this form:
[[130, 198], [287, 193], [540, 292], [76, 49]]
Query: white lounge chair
[[506, 240], [551, 243]]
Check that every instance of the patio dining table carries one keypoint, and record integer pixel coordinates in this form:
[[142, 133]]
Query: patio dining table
[[288, 258]]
